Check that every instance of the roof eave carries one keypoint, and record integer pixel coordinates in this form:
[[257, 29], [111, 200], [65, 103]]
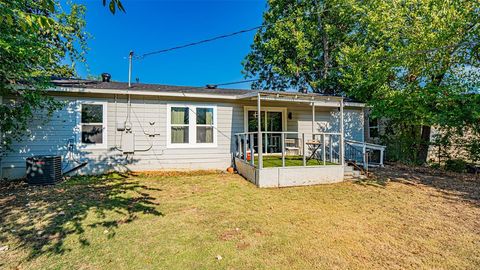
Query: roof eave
[[140, 92]]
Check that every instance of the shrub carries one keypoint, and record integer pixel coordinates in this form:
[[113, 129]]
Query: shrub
[[456, 165], [435, 166]]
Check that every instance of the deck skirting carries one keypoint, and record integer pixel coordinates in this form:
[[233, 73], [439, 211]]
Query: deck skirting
[[290, 176]]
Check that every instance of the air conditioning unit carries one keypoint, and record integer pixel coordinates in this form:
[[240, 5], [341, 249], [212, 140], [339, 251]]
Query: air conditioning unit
[[44, 170]]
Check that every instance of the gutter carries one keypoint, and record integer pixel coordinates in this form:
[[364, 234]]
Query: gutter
[[266, 95], [138, 92]]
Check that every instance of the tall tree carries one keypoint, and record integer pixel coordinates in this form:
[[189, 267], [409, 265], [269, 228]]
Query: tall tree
[[409, 59], [405, 58], [36, 36], [298, 45]]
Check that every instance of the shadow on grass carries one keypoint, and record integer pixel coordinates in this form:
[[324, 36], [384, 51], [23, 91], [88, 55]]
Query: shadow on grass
[[40, 218], [451, 185], [373, 181]]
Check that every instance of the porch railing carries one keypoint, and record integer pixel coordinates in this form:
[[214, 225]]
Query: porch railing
[[284, 148], [366, 154]]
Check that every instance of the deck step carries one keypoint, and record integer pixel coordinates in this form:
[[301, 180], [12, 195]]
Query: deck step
[[351, 174]]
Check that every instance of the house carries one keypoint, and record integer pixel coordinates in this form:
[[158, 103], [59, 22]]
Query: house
[[298, 139]]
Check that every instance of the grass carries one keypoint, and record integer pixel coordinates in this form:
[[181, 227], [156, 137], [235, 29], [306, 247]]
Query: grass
[[276, 161], [186, 220]]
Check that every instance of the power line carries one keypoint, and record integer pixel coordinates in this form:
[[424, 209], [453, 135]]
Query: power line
[[220, 37], [199, 42], [390, 57], [237, 82]]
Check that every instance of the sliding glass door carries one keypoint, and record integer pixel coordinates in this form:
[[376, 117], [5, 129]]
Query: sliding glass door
[[272, 121]]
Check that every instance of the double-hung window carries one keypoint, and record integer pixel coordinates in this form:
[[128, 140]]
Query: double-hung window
[[180, 121], [93, 123], [205, 127], [191, 125]]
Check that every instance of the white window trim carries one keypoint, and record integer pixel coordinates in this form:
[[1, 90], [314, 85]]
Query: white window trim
[[192, 126], [104, 144], [283, 110]]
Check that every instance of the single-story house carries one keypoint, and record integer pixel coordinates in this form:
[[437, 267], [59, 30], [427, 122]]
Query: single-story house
[[299, 138]]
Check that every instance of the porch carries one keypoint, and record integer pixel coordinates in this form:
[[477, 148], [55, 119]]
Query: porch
[[270, 154]]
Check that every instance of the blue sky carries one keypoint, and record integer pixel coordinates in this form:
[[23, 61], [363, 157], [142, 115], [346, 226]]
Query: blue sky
[[153, 25]]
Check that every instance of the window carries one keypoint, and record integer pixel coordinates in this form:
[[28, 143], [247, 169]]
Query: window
[[93, 123], [373, 127], [180, 124], [191, 125], [205, 125]]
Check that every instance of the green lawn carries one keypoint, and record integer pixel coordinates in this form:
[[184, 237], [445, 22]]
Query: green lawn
[[184, 221], [276, 161]]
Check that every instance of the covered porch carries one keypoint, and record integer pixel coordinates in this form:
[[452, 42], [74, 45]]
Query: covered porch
[[271, 154]]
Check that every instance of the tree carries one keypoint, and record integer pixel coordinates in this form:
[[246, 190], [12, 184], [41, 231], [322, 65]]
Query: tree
[[113, 5], [36, 35], [413, 60], [405, 58], [298, 45]]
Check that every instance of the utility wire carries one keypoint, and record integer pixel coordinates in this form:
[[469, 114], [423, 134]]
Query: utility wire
[[199, 42], [390, 57], [219, 37], [237, 82]]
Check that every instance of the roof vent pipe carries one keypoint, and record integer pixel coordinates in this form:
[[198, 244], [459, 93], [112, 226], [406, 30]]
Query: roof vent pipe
[[130, 58], [106, 77]]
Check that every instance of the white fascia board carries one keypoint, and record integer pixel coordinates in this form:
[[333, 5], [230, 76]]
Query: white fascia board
[[140, 92]]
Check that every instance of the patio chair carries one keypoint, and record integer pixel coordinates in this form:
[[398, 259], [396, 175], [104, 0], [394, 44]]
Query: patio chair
[[291, 147]]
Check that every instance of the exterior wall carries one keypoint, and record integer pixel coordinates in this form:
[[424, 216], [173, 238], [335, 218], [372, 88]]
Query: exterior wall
[[327, 120], [51, 136]]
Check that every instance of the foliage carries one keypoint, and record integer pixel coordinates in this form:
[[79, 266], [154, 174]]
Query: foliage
[[299, 44], [36, 37], [113, 5], [413, 61], [456, 165]]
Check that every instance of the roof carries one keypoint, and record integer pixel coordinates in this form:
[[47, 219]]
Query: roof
[[146, 87], [100, 87]]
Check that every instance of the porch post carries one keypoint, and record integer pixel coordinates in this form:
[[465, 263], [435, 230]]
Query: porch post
[[365, 157], [342, 134], [303, 150], [283, 148], [259, 137], [239, 146], [313, 119], [250, 144], [324, 150], [381, 157], [244, 147], [330, 144]]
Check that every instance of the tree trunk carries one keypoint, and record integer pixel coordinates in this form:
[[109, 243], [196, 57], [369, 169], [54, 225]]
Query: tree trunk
[[422, 151]]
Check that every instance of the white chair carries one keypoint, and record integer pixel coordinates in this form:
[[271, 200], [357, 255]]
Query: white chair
[[291, 147]]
